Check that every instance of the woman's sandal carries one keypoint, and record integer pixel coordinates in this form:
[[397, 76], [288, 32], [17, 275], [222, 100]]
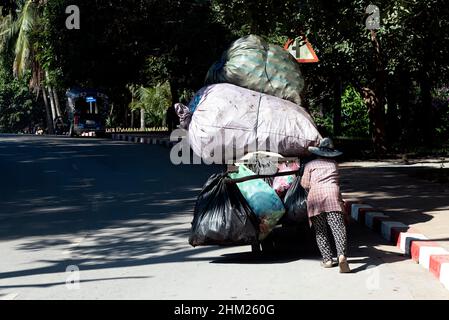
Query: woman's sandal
[[327, 264], [343, 264]]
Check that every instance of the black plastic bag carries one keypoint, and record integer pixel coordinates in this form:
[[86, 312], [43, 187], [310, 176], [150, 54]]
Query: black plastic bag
[[295, 201], [222, 216]]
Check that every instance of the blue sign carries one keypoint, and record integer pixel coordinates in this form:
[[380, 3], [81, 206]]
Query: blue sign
[[91, 99]]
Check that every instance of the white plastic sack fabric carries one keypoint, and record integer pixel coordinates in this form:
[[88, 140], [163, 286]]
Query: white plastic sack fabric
[[230, 121]]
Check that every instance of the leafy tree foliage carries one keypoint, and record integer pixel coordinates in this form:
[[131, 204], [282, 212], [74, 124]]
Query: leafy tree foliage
[[19, 111], [154, 101], [393, 77]]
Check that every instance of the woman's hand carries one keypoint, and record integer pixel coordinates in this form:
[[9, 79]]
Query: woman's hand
[[263, 226]]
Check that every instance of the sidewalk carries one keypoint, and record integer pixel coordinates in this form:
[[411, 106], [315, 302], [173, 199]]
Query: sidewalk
[[411, 212], [391, 188]]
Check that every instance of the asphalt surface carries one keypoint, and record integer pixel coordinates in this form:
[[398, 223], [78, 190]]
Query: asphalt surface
[[97, 219]]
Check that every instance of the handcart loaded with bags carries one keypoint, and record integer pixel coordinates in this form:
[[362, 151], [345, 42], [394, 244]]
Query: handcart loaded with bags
[[248, 116], [254, 196]]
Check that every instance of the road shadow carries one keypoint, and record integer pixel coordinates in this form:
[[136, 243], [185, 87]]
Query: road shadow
[[363, 249], [284, 245], [396, 191], [63, 186], [105, 204], [53, 284]]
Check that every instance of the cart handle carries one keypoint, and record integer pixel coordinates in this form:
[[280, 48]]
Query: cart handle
[[261, 176]]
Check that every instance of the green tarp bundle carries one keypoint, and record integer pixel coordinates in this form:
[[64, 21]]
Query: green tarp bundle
[[252, 63]]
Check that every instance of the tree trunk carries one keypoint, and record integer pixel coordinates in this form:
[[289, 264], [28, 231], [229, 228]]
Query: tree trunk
[[48, 112], [337, 106], [54, 112], [142, 119], [132, 118], [52, 104], [425, 114], [392, 124], [126, 116], [111, 111], [110, 122], [57, 105], [404, 106], [376, 115], [374, 97]]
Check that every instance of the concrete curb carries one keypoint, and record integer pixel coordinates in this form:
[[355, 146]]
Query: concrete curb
[[142, 139], [410, 241]]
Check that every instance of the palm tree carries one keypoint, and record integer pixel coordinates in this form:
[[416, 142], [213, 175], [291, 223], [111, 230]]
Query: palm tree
[[15, 36], [152, 102]]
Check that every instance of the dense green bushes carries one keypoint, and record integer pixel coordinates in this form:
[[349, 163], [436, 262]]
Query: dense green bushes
[[19, 111]]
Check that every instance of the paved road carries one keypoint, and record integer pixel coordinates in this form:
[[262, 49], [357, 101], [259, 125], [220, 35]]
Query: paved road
[[120, 214]]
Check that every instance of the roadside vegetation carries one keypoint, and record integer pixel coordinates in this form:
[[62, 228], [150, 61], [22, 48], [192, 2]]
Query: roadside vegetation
[[387, 88]]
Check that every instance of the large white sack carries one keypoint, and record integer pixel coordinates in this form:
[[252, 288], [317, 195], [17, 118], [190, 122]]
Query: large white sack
[[230, 121]]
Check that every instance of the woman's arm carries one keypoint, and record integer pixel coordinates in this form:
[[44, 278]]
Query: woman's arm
[[305, 180]]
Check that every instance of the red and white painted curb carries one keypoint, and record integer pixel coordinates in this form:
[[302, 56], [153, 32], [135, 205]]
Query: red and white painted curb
[[144, 140], [409, 240]]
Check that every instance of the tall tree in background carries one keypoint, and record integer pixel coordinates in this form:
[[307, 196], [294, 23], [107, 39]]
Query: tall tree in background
[[16, 32], [396, 69]]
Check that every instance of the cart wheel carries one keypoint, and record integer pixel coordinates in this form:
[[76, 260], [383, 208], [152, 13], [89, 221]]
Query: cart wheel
[[268, 245], [255, 247]]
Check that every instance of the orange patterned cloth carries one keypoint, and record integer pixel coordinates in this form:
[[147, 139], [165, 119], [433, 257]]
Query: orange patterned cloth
[[321, 180]]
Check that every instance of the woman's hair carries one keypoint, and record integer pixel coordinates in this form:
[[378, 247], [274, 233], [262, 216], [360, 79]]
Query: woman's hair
[[309, 158]]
